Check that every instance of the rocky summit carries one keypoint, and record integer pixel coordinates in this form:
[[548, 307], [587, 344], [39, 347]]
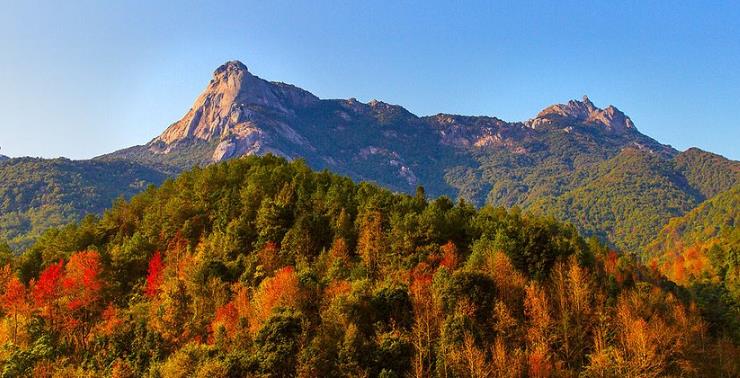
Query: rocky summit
[[233, 111]]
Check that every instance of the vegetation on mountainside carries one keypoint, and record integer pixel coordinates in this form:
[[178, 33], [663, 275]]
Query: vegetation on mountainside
[[708, 173], [628, 199], [701, 250], [259, 267], [36, 194], [190, 153]]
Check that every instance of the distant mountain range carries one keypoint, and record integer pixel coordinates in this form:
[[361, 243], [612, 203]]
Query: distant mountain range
[[577, 161]]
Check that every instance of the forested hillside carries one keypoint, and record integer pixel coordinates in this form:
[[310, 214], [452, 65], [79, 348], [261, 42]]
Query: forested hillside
[[702, 250], [36, 194], [260, 267], [627, 200]]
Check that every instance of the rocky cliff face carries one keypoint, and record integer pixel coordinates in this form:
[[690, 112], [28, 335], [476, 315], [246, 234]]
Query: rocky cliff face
[[230, 111]]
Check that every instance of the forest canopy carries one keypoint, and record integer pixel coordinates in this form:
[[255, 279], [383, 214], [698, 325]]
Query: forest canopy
[[262, 267]]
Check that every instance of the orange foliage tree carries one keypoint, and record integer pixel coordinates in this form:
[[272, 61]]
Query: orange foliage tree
[[281, 290], [15, 303]]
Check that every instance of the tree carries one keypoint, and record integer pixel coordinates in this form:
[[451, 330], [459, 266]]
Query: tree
[[278, 343], [273, 220], [539, 320], [425, 331], [15, 303], [155, 275], [281, 290], [449, 256], [82, 283], [82, 288], [371, 243], [47, 291], [171, 313]]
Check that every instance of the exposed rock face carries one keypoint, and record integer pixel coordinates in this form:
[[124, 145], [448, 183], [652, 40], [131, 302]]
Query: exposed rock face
[[3, 158], [610, 118], [228, 112]]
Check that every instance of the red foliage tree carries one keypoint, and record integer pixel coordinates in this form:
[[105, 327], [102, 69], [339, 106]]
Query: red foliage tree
[[426, 318], [47, 291], [110, 321], [227, 316], [81, 287], [154, 275]]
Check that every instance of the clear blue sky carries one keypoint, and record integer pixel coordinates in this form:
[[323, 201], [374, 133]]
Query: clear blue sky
[[89, 77]]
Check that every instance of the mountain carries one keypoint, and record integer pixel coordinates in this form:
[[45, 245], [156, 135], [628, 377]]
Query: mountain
[[580, 162], [576, 161], [242, 114], [40, 193]]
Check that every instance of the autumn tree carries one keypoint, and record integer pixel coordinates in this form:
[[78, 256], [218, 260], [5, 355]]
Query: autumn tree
[[171, 312], [540, 322], [571, 288], [281, 290], [15, 303], [427, 317], [82, 286], [371, 241], [450, 256], [155, 275], [46, 293]]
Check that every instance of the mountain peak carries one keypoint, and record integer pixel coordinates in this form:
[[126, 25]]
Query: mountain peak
[[586, 101], [610, 118], [230, 66], [228, 110]]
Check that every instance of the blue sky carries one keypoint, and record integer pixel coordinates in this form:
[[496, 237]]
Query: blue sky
[[89, 77]]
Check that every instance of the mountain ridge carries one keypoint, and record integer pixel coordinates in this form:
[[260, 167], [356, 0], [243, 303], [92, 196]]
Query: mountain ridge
[[235, 87], [241, 114]]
